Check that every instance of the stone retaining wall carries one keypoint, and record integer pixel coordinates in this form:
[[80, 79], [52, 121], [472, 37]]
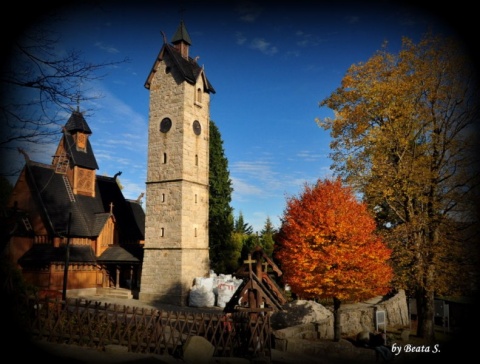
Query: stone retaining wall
[[362, 316], [316, 338]]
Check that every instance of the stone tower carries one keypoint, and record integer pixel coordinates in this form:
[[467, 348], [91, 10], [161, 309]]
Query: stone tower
[[176, 221]]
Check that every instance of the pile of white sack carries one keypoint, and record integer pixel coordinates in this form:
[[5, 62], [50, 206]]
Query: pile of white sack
[[216, 290]]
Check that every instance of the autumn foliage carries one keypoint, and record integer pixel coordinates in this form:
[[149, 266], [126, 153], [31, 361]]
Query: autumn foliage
[[327, 247], [405, 136]]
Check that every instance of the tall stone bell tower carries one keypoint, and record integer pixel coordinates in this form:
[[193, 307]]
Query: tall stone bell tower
[[176, 226]]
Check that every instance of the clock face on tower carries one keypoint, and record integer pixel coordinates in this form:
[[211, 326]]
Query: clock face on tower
[[197, 128], [165, 125]]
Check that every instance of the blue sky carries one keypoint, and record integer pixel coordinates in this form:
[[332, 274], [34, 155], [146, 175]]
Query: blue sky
[[270, 64]]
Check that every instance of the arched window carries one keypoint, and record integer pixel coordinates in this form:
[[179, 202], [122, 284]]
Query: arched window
[[199, 95], [164, 158]]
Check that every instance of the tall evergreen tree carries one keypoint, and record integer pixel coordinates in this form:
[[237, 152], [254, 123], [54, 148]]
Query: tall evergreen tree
[[241, 226], [244, 233], [220, 212], [266, 237]]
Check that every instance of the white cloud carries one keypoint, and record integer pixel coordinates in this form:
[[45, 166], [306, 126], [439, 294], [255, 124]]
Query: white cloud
[[263, 46], [119, 140], [309, 156], [241, 39], [306, 40], [108, 49], [241, 188]]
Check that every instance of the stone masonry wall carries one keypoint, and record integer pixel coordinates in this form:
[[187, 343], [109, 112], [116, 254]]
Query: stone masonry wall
[[362, 316], [315, 338], [355, 318], [176, 219]]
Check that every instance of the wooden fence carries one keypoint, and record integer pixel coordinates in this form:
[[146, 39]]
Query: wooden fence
[[95, 324]]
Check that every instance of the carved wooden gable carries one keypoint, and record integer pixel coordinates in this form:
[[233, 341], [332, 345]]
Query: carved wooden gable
[[258, 291]]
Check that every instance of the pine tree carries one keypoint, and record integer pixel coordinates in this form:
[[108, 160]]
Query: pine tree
[[244, 235], [241, 226], [220, 212], [267, 237]]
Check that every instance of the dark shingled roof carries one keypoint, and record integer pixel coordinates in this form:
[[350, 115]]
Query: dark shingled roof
[[77, 122], [52, 196], [189, 68], [117, 254], [181, 35], [88, 213], [78, 157], [129, 215], [43, 254], [81, 216], [99, 222], [138, 216]]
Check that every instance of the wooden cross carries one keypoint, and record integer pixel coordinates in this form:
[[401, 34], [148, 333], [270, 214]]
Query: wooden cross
[[249, 261]]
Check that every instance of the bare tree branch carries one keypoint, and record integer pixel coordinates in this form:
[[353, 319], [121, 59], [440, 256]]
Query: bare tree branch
[[38, 83]]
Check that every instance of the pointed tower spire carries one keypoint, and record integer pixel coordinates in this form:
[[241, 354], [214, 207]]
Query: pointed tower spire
[[181, 40], [77, 123]]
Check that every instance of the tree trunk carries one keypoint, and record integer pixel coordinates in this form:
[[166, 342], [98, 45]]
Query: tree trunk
[[426, 310], [337, 327], [426, 293]]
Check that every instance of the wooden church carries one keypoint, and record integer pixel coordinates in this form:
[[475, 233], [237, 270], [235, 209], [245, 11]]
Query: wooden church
[[69, 216], [63, 214]]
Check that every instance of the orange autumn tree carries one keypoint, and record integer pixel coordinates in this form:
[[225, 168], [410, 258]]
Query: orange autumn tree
[[327, 247]]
